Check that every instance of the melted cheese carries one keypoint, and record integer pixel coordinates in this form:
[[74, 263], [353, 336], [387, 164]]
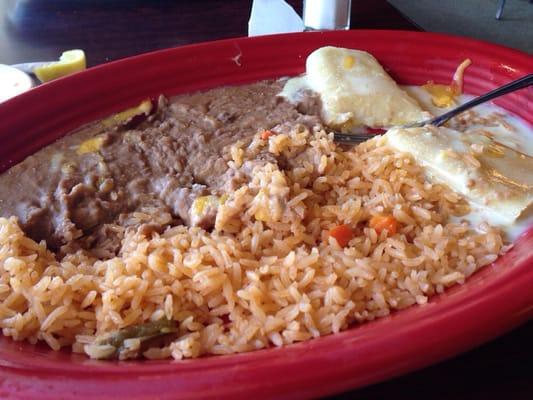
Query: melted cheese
[[124, 116], [442, 96], [355, 90], [90, 145], [493, 177]]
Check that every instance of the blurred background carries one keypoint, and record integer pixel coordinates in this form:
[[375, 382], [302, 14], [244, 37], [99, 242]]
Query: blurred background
[[33, 30], [475, 18]]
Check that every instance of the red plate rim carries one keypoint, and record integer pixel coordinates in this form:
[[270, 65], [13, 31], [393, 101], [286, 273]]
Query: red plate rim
[[493, 301]]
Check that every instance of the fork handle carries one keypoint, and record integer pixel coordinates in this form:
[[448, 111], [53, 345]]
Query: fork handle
[[521, 83]]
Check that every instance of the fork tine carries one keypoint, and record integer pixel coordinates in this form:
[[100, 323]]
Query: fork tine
[[350, 139]]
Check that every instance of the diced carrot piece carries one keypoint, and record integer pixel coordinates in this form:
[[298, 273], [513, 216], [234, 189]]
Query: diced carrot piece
[[342, 233], [266, 134], [382, 222]]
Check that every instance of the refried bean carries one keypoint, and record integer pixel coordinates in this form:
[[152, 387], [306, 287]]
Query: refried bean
[[147, 176]]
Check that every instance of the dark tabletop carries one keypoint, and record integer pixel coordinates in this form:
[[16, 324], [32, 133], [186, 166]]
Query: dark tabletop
[[32, 30]]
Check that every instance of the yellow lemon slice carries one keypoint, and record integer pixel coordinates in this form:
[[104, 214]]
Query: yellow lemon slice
[[70, 61]]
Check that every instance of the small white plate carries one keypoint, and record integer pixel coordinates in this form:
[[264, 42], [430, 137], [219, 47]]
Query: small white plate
[[12, 82]]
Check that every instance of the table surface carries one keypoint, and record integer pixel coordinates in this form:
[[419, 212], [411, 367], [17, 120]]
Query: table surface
[[32, 30]]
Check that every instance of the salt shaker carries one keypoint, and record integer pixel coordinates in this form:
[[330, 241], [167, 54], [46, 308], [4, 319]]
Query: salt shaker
[[327, 14]]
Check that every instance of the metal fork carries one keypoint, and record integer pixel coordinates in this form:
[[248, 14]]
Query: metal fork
[[441, 119]]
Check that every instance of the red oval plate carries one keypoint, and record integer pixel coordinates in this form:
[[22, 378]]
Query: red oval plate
[[493, 301]]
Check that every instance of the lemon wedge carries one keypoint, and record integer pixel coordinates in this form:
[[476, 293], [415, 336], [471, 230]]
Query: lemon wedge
[[70, 61]]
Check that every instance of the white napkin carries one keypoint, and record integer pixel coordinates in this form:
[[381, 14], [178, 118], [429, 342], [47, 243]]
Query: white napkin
[[273, 16]]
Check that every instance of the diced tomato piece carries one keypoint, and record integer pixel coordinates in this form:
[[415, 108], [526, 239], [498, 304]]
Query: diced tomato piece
[[382, 222], [375, 131], [342, 233]]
